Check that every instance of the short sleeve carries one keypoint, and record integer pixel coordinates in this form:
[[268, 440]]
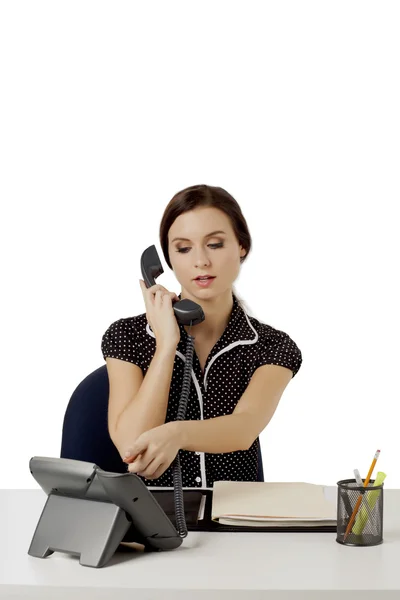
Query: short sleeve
[[277, 348], [121, 341]]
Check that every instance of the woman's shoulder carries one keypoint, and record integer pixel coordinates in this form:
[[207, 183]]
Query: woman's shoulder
[[276, 346], [133, 326], [266, 331], [126, 338]]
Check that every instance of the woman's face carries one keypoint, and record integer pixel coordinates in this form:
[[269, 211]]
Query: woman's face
[[204, 254]]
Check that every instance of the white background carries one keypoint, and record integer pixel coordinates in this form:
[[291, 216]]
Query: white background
[[109, 108]]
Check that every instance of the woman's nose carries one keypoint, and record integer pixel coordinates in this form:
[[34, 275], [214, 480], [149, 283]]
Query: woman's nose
[[202, 259]]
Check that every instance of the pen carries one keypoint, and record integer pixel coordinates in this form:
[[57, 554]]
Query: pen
[[347, 504], [357, 506], [364, 499]]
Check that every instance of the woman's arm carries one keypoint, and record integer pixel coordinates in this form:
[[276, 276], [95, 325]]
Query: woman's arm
[[159, 446], [149, 406], [219, 434], [252, 414]]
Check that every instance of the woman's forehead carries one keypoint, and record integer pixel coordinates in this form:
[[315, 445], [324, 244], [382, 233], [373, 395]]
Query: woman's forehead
[[197, 224]]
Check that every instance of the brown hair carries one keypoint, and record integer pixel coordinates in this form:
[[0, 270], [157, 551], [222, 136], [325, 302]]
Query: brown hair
[[204, 195]]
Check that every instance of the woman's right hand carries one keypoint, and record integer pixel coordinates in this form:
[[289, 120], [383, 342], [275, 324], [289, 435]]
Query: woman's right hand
[[160, 314]]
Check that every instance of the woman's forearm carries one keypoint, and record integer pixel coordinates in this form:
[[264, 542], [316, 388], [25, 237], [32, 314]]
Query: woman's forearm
[[220, 434], [149, 407]]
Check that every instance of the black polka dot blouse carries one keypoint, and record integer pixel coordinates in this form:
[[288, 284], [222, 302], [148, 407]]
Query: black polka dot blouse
[[245, 345]]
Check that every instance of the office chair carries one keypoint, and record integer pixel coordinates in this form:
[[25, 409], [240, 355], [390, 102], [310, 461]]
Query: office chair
[[85, 433]]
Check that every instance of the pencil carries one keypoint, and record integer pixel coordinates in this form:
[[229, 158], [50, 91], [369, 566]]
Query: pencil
[[357, 506]]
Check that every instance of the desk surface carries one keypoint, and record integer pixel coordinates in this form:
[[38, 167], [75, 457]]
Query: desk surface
[[207, 565]]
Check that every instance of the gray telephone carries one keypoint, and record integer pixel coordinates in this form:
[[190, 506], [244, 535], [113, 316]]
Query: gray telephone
[[89, 511]]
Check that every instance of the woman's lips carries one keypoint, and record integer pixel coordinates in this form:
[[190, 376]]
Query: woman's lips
[[203, 283]]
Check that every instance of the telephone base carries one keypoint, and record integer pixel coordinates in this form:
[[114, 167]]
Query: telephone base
[[89, 512], [90, 529]]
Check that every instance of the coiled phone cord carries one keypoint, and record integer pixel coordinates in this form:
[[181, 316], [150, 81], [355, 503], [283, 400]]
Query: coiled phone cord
[[177, 473]]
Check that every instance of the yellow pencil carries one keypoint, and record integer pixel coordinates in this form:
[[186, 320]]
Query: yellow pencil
[[357, 506]]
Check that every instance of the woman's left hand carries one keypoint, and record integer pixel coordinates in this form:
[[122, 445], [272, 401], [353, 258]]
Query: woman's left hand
[[154, 450]]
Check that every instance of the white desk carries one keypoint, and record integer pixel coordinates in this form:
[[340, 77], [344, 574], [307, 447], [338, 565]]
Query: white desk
[[251, 566]]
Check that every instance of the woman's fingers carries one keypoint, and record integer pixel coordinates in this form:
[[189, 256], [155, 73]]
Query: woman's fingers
[[147, 466], [129, 457], [140, 464], [159, 314], [152, 469], [151, 291], [158, 298], [161, 469]]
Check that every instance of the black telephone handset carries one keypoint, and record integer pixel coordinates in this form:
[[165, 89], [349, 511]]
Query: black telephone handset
[[186, 311]]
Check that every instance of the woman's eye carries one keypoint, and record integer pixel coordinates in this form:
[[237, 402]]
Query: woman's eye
[[213, 246]]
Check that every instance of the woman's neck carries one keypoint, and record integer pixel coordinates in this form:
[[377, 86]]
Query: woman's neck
[[217, 312]]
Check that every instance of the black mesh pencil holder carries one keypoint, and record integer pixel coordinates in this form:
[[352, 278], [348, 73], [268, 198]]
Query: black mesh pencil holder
[[366, 527]]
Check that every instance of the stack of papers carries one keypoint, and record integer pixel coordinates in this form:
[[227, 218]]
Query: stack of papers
[[257, 504]]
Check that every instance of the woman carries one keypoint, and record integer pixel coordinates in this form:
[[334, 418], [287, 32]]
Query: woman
[[240, 365]]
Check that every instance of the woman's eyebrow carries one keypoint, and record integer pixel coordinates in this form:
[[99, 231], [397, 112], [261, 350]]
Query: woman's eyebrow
[[206, 236]]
